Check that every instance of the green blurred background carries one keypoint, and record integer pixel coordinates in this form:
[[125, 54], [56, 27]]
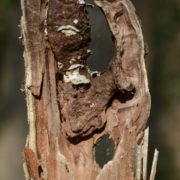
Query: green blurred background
[[161, 29]]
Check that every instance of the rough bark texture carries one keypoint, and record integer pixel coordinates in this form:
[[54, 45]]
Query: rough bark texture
[[69, 107]]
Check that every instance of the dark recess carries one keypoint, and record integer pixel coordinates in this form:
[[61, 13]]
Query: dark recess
[[105, 150]]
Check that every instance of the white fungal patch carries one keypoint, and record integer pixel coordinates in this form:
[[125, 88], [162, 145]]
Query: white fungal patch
[[75, 21], [72, 61], [60, 65], [72, 75], [81, 2], [75, 66], [89, 5], [93, 73], [68, 30], [68, 27], [79, 57], [89, 51], [92, 105], [45, 31]]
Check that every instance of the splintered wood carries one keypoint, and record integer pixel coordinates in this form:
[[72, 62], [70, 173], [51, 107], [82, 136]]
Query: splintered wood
[[70, 107], [153, 170]]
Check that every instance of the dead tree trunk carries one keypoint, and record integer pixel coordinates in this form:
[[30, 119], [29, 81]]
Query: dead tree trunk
[[70, 107]]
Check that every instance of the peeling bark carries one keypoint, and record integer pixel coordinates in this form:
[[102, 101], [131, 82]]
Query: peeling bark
[[69, 107]]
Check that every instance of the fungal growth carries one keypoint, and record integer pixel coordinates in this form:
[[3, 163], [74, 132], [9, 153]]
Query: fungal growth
[[81, 2], [93, 73], [72, 75], [68, 30]]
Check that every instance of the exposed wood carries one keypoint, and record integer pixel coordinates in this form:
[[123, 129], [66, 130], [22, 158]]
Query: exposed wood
[[26, 173], [138, 162], [145, 153], [154, 165], [70, 107], [32, 41]]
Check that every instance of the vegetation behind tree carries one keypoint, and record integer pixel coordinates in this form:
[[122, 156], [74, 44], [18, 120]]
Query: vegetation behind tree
[[161, 27]]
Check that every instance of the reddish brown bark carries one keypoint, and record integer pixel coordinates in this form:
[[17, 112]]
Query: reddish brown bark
[[71, 108]]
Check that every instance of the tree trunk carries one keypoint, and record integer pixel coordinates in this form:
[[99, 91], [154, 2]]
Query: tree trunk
[[71, 108]]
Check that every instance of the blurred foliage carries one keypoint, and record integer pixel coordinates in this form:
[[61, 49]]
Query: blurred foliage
[[166, 47], [5, 6], [166, 87], [164, 20], [6, 3]]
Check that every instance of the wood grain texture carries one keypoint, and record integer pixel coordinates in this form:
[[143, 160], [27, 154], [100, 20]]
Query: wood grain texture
[[32, 39], [67, 120], [154, 165]]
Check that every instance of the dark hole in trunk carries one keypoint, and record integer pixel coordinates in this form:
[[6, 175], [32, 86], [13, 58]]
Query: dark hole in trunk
[[105, 150], [40, 170], [84, 86], [122, 97], [102, 46]]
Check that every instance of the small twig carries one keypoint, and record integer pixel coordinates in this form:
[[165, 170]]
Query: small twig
[[153, 169]]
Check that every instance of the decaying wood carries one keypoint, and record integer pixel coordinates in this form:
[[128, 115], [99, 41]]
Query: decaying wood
[[153, 169], [70, 107], [145, 152]]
